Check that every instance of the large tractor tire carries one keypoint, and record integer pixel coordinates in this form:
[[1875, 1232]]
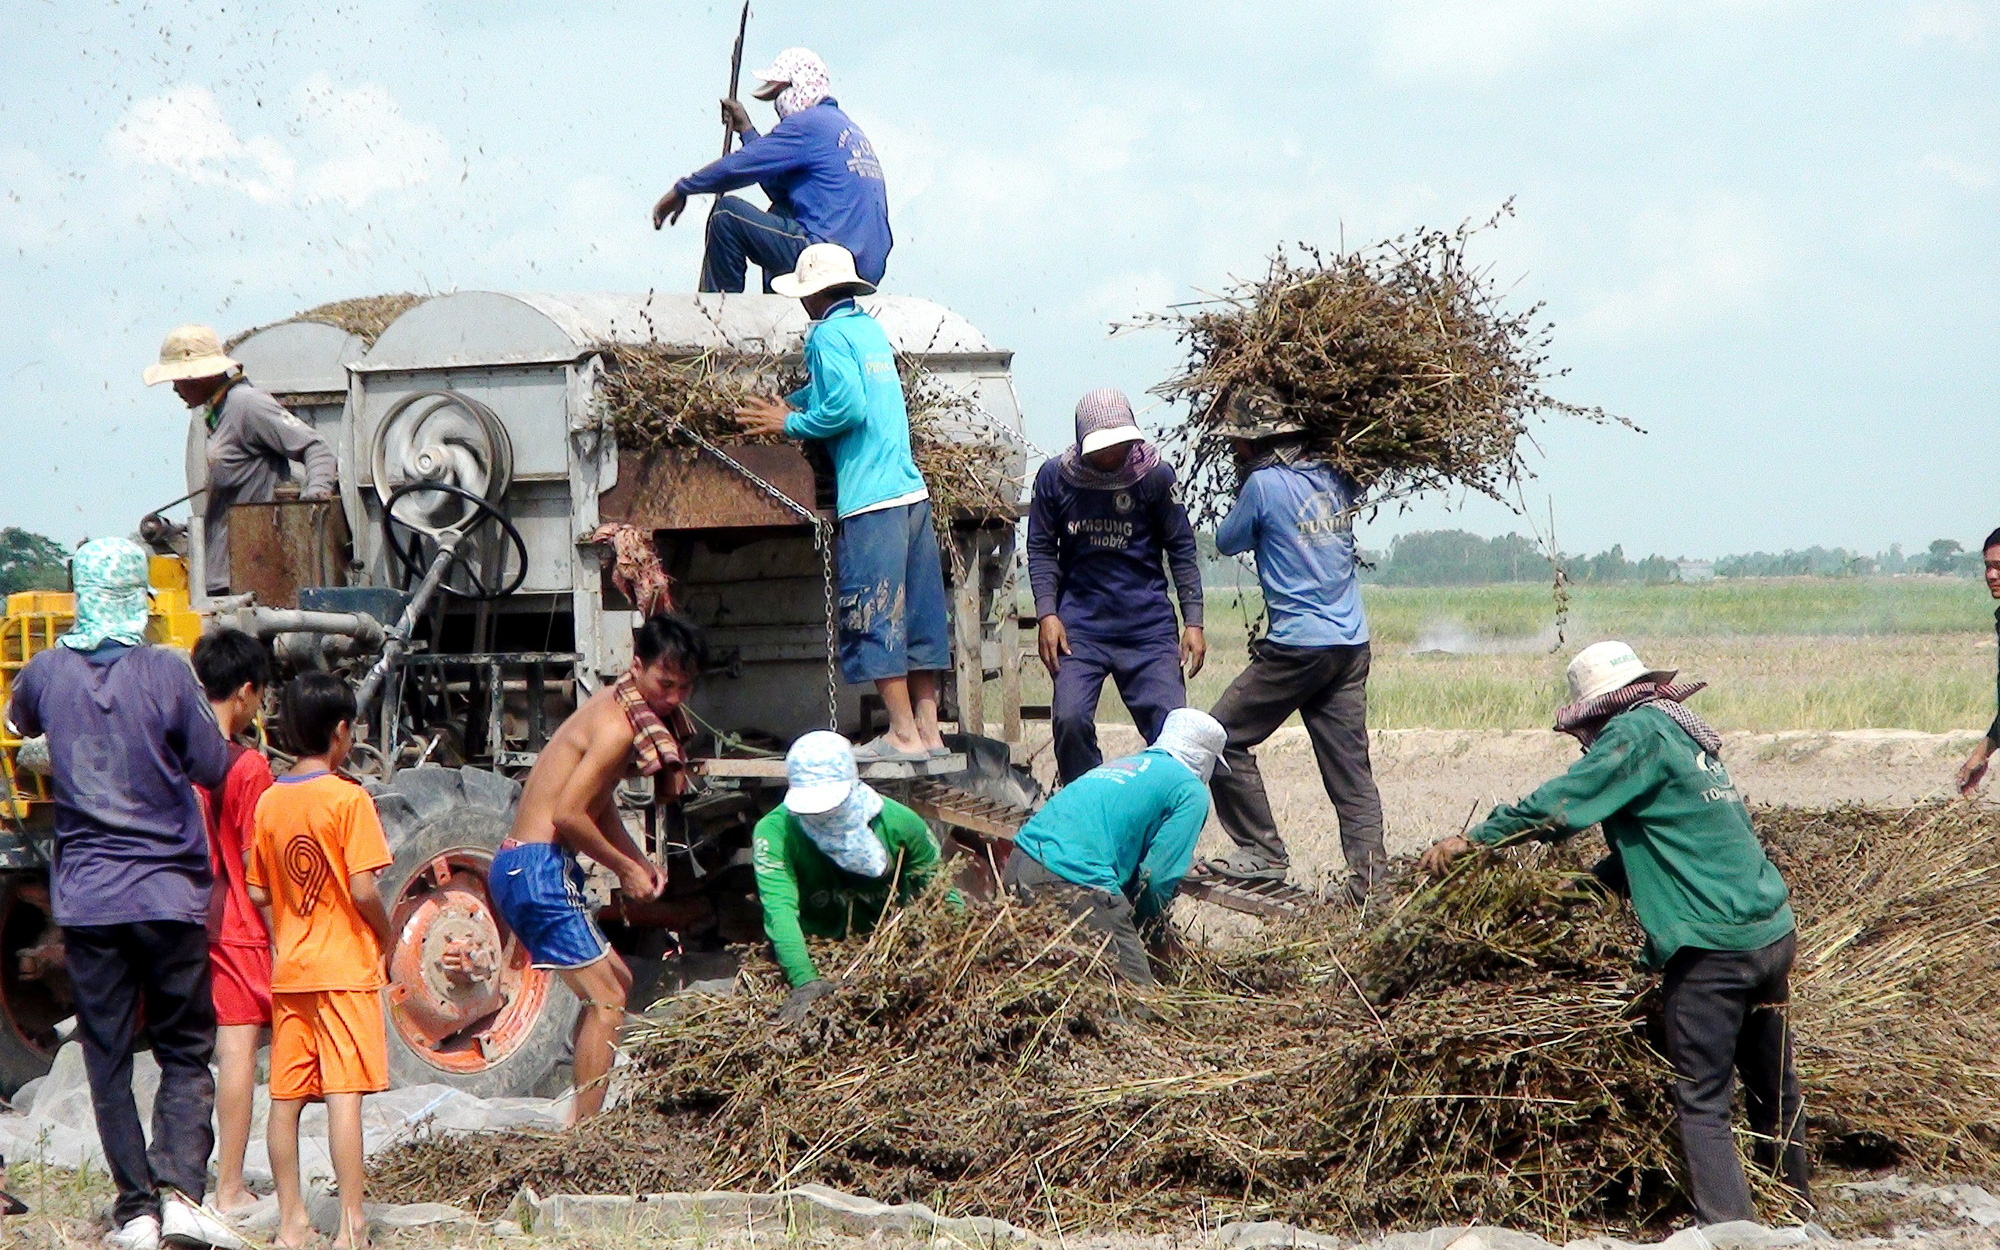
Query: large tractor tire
[[34, 988], [465, 1008]]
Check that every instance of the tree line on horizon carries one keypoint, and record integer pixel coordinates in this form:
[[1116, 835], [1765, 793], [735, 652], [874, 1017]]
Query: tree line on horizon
[[1460, 558]]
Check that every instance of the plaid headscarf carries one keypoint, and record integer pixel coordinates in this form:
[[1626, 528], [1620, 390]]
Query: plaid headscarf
[[1585, 720], [805, 79], [1106, 408], [112, 601], [659, 743]]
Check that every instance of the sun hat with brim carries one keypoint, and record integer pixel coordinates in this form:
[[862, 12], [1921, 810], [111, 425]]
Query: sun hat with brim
[[1098, 440], [822, 267], [819, 772], [113, 597], [1603, 667], [1194, 738], [1255, 413], [190, 352]]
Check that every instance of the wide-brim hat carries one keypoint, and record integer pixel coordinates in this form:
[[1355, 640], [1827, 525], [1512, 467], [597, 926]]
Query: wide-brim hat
[[1603, 667], [822, 267], [191, 351], [1255, 413]]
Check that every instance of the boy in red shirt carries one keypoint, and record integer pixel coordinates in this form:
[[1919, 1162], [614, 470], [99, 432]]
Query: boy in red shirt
[[318, 848], [234, 670]]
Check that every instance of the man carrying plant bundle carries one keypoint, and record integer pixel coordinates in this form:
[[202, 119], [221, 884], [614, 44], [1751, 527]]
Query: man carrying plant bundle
[[1113, 845], [1716, 913], [893, 627], [1297, 514], [1103, 513], [829, 857]]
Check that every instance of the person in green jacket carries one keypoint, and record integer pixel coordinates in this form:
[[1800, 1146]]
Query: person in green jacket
[[829, 857], [1113, 845], [1717, 916]]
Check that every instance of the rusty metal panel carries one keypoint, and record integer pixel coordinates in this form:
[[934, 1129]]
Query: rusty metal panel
[[275, 549], [686, 488]]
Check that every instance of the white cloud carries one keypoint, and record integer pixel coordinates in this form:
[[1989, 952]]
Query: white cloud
[[364, 143], [1966, 23], [1483, 38], [1957, 170], [355, 143], [1700, 265], [185, 133]]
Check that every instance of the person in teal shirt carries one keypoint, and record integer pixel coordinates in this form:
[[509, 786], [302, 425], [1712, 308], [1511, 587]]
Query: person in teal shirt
[[894, 628], [831, 859], [1716, 913], [1113, 845]]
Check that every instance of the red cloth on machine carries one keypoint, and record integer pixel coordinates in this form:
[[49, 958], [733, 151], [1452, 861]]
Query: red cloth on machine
[[636, 571]]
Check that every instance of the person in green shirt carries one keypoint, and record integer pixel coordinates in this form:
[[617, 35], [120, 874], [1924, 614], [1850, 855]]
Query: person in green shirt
[[1113, 845], [829, 857], [1716, 913]]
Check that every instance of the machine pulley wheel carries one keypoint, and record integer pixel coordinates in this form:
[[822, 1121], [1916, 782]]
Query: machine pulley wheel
[[464, 580], [443, 437]]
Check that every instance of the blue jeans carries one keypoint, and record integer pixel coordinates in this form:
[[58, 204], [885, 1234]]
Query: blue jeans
[[893, 617], [1148, 673], [740, 232]]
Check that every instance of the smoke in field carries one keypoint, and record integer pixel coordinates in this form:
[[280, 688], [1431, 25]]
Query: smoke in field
[[1453, 636]]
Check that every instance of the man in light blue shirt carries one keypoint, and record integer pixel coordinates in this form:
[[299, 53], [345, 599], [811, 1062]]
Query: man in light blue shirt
[[894, 629], [1112, 846], [1297, 515]]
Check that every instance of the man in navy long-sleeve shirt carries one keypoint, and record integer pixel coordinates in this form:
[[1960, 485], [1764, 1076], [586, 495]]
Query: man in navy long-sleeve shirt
[[820, 172], [1103, 514], [130, 736]]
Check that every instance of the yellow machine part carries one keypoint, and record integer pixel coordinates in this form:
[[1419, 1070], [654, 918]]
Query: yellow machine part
[[35, 619]]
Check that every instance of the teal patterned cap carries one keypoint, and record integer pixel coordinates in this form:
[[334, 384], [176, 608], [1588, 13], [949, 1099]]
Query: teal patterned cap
[[112, 597]]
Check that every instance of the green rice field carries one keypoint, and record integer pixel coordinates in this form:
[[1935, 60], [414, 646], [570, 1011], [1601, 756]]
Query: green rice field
[[1779, 654]]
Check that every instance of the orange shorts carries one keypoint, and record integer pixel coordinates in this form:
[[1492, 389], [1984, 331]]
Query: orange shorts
[[239, 979], [328, 1042]]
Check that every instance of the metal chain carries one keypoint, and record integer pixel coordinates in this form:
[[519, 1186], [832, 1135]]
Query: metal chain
[[822, 539]]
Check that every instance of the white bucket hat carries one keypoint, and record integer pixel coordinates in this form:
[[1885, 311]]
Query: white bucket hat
[[824, 790], [190, 352], [1194, 738], [1603, 667], [822, 267]]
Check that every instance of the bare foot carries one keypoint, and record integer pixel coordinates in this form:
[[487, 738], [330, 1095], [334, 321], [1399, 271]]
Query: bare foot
[[301, 1238], [231, 1201]]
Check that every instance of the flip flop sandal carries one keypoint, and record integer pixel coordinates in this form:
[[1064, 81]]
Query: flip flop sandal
[[882, 751], [1245, 866]]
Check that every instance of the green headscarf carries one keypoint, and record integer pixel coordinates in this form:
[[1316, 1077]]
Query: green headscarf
[[112, 603]]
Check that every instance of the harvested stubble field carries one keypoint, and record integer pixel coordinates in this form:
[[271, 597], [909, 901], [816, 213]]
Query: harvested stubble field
[[1778, 654], [1471, 1050]]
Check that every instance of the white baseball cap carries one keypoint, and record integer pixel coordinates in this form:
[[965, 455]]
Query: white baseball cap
[[189, 352], [1603, 667], [819, 772], [822, 267]]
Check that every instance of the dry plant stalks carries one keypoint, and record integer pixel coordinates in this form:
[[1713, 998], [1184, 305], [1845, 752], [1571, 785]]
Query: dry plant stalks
[[653, 395], [366, 316], [1480, 1049], [1400, 360]]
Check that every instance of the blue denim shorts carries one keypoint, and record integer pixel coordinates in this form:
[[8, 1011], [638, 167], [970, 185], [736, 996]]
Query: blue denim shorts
[[892, 608], [537, 887]]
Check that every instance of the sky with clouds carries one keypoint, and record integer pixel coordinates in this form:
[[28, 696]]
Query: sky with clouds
[[1763, 229]]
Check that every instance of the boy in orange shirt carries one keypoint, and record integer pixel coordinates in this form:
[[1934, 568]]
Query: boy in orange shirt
[[318, 848]]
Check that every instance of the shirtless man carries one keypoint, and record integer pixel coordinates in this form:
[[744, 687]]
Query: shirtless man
[[635, 726]]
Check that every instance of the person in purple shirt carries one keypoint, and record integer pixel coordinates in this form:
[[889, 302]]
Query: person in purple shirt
[[819, 171], [1104, 513], [130, 735]]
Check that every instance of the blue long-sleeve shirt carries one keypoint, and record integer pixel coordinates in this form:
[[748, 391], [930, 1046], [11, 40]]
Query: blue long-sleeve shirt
[[1296, 518], [1127, 827], [130, 736], [853, 401], [1094, 556], [820, 167]]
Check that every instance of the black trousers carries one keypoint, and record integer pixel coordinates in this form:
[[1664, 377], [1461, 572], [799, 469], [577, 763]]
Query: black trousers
[[1725, 1018], [1328, 688], [1027, 878], [162, 965]]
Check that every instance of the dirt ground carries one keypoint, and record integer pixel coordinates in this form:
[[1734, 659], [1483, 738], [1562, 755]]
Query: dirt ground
[[1432, 779]]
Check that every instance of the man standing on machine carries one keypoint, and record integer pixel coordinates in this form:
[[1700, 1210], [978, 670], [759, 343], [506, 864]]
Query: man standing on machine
[[252, 440], [636, 725]]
